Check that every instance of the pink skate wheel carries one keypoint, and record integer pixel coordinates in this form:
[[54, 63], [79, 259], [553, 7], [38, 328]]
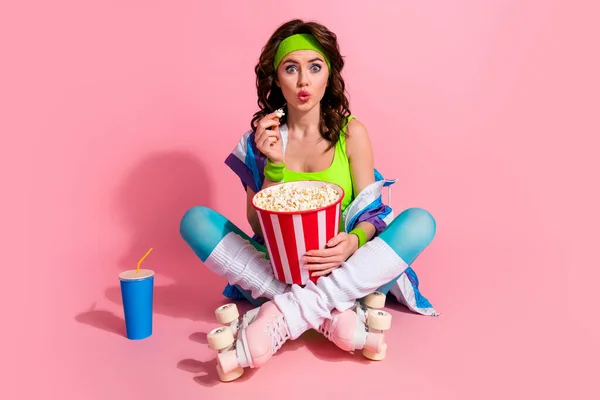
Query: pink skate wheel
[[220, 338], [228, 361], [231, 376], [375, 300], [371, 355], [227, 313], [374, 342], [379, 320]]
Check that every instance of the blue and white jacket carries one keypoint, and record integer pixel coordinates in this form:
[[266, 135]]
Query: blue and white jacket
[[248, 164]]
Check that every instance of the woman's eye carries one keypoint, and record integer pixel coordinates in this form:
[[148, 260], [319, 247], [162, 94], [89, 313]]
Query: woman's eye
[[290, 68], [315, 68]]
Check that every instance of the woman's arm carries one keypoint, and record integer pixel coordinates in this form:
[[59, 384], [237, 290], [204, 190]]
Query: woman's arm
[[360, 154]]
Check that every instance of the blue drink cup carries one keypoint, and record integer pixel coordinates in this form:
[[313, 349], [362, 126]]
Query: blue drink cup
[[137, 292]]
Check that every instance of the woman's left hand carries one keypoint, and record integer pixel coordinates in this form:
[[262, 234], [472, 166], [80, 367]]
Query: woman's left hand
[[338, 250]]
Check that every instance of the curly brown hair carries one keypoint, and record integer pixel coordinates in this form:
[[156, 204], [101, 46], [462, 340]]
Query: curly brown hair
[[335, 107]]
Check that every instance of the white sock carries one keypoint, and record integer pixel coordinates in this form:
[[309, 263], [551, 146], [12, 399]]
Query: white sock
[[369, 268], [241, 264]]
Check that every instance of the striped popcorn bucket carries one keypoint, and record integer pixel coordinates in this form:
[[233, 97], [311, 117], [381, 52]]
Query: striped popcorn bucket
[[290, 234]]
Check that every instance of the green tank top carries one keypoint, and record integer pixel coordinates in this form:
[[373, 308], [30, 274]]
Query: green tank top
[[338, 172]]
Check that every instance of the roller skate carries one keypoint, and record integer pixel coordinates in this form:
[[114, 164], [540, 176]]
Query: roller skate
[[249, 342], [377, 321], [360, 327], [348, 331]]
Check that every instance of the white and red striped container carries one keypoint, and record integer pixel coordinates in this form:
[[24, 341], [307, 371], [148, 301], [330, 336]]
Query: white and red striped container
[[289, 235]]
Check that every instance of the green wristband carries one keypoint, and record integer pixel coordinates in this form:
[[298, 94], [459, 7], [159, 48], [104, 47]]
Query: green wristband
[[274, 172], [362, 236]]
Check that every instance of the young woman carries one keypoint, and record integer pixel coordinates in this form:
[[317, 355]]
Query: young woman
[[299, 70]]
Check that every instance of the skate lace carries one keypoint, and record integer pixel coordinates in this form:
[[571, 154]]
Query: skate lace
[[327, 328], [278, 333]]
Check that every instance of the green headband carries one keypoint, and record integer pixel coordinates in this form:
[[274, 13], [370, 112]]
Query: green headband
[[300, 41]]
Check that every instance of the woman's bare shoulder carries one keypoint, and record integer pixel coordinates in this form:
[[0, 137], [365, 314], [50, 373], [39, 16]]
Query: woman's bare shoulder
[[357, 137]]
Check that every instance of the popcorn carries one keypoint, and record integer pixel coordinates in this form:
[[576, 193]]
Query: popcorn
[[290, 197], [279, 113]]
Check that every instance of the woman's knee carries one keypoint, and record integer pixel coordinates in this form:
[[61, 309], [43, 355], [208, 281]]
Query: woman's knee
[[202, 228], [419, 225], [193, 220], [410, 233]]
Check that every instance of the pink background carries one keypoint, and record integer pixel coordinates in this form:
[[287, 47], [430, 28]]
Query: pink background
[[116, 117]]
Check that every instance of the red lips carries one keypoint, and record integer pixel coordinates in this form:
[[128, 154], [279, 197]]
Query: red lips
[[304, 96]]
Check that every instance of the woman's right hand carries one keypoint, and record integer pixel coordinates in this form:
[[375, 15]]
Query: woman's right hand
[[268, 139]]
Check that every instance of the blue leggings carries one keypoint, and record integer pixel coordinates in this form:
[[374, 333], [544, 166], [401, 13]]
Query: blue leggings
[[408, 235]]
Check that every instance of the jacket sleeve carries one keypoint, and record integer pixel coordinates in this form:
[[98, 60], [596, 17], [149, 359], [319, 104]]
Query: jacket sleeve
[[376, 216], [247, 163], [368, 206]]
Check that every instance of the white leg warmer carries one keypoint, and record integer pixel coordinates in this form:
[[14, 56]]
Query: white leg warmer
[[241, 264], [370, 267]]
